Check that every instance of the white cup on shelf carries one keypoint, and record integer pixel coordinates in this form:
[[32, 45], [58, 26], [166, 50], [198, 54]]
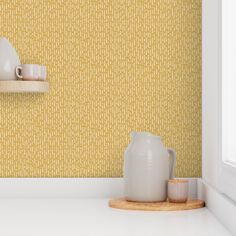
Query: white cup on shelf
[[31, 72]]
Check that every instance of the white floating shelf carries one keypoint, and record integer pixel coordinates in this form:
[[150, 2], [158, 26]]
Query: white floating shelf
[[19, 86]]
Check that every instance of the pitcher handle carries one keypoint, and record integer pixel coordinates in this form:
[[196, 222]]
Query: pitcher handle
[[172, 157]]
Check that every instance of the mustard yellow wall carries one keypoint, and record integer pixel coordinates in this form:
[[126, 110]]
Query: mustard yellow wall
[[114, 66]]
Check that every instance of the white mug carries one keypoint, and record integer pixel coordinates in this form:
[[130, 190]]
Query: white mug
[[31, 72]]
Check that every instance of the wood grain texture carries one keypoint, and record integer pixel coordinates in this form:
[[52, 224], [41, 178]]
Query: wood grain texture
[[121, 203]]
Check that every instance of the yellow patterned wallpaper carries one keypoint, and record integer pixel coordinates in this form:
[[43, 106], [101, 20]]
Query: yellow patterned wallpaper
[[114, 66]]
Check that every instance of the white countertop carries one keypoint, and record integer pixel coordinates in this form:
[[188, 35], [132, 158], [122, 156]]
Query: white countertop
[[93, 217]]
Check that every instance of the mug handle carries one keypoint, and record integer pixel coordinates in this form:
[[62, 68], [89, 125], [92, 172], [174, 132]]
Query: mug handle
[[172, 157], [18, 68]]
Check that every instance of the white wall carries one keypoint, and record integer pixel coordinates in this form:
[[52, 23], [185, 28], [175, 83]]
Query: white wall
[[210, 90]]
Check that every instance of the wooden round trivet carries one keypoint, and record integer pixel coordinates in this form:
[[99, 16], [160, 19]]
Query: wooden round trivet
[[121, 203]]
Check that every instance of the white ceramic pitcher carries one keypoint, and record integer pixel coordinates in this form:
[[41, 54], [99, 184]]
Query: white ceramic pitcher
[[148, 165]]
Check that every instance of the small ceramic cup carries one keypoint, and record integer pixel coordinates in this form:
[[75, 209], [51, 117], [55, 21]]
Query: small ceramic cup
[[28, 72], [178, 190], [31, 72]]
